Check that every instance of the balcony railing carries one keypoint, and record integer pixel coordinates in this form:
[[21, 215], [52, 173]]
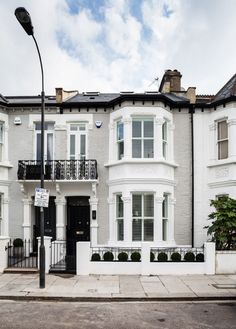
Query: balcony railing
[[58, 170]]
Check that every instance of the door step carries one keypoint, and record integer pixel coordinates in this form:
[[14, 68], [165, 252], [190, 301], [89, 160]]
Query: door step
[[21, 270]]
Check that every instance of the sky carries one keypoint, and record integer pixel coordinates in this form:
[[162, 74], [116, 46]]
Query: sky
[[117, 45]]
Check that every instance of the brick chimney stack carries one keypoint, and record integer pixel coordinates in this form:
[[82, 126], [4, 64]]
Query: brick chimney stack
[[171, 81]]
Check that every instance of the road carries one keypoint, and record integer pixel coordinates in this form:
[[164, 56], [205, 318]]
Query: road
[[145, 315]]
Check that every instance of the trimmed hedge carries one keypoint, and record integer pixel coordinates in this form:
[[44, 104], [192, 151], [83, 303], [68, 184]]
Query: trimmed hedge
[[162, 257], [176, 257], [189, 257], [108, 256], [152, 257], [18, 243], [200, 257], [122, 257], [95, 257], [135, 256]]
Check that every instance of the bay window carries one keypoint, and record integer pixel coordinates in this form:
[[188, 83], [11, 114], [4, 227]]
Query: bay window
[[164, 140], [142, 138], [143, 217]]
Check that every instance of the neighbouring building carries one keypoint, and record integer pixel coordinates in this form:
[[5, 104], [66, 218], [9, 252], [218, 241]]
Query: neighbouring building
[[121, 168]]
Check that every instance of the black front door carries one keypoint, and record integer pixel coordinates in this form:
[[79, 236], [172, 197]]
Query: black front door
[[49, 220], [78, 227]]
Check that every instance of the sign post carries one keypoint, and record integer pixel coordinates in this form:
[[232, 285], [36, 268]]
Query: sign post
[[41, 197]]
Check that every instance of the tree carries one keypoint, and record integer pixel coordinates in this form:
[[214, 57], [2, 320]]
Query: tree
[[223, 226]]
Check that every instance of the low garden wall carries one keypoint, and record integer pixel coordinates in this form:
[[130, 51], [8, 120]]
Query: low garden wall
[[226, 262], [147, 260]]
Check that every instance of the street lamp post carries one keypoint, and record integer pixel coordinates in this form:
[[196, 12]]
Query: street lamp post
[[24, 19]]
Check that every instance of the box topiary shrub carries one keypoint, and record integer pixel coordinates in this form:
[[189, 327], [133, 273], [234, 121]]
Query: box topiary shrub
[[123, 257], [95, 257], [200, 257], [135, 256], [189, 257], [152, 257], [176, 257], [18, 243], [108, 256], [162, 257]]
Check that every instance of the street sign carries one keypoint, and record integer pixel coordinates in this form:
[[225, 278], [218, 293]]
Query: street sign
[[41, 197]]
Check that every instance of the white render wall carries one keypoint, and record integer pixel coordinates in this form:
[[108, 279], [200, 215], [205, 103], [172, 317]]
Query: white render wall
[[212, 176]]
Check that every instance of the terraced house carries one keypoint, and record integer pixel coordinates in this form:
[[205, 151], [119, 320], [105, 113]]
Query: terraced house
[[121, 168]]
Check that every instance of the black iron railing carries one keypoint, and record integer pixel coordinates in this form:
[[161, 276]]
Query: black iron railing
[[58, 170], [58, 256], [22, 255]]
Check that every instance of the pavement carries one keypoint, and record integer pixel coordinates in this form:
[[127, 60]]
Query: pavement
[[65, 287]]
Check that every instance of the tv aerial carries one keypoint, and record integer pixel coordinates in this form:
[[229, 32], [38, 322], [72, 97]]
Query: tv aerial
[[155, 81]]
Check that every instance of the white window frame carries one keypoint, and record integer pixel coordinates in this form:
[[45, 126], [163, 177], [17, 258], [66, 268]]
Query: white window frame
[[165, 216], [119, 141], [142, 138], [220, 141], [1, 206], [143, 218], [46, 132], [77, 133], [118, 218]]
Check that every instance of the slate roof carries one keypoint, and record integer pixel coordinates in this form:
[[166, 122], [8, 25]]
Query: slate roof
[[228, 90], [3, 100]]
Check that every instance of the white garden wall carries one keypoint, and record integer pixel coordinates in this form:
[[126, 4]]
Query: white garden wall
[[226, 262]]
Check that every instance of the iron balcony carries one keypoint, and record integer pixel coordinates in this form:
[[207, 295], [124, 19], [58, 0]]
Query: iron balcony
[[58, 170]]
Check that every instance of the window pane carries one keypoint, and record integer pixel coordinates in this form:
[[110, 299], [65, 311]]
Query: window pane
[[148, 128], [136, 128], [1, 133], [148, 148], [82, 127], [137, 205], [148, 205], [120, 229], [119, 206], [1, 152], [223, 150], [164, 229], [38, 146], [222, 130], [120, 131], [164, 149], [49, 125], [164, 131], [49, 146], [120, 150], [72, 147], [165, 206], [0, 205], [148, 230], [82, 146], [137, 229], [136, 148], [73, 127]]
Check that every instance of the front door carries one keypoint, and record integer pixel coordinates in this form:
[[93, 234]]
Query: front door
[[78, 227]]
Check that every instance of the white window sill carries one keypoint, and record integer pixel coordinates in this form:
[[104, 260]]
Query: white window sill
[[223, 162], [6, 164], [141, 161]]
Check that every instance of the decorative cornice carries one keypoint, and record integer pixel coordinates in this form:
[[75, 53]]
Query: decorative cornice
[[111, 200], [161, 181], [159, 121], [212, 126], [127, 120], [60, 127], [126, 199], [231, 122], [222, 183], [5, 200], [172, 201], [28, 202], [159, 199]]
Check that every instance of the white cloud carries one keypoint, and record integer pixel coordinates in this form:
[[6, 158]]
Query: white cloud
[[120, 52]]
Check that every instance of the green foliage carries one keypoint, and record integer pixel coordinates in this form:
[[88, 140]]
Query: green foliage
[[223, 226], [95, 257], [189, 257], [162, 257], [108, 256], [135, 256], [123, 257], [176, 257], [18, 242], [152, 257], [200, 257]]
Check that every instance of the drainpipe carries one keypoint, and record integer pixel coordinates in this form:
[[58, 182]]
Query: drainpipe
[[192, 110]]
